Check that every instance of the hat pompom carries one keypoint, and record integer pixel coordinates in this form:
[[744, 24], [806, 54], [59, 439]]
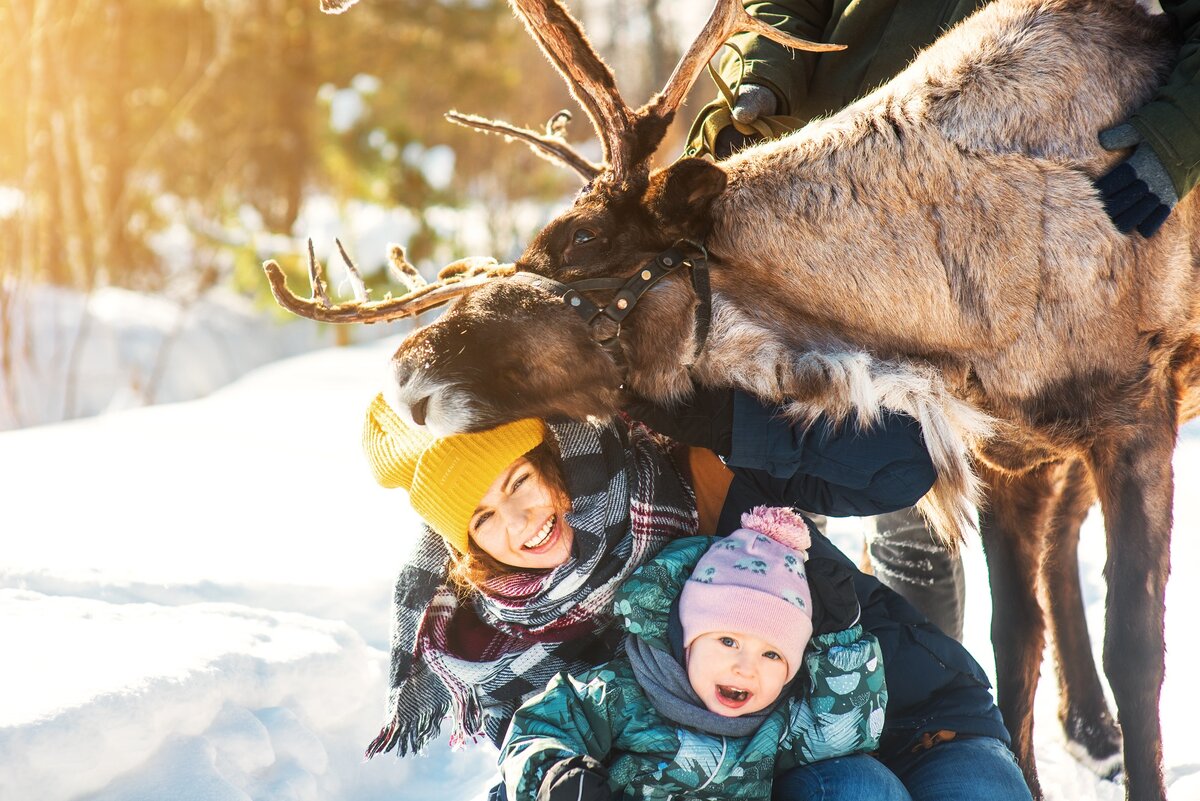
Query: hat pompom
[[780, 523]]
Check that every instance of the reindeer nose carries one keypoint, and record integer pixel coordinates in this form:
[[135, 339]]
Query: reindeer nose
[[419, 409]]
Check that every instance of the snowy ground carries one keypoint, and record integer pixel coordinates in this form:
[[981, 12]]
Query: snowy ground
[[78, 356], [194, 604]]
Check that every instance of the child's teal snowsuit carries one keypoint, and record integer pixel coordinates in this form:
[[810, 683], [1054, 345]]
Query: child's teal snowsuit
[[835, 707]]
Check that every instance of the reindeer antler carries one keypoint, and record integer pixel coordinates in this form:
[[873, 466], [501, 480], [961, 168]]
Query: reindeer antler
[[455, 279], [551, 145], [562, 40], [629, 137], [336, 6]]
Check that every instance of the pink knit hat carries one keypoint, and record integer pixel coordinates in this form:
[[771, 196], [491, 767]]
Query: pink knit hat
[[753, 582]]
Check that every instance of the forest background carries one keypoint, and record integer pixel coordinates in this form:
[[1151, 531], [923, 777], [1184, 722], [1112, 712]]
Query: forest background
[[168, 147]]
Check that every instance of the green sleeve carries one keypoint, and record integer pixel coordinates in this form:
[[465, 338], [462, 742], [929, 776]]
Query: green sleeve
[[572, 717], [781, 69], [784, 71], [1170, 123], [842, 710]]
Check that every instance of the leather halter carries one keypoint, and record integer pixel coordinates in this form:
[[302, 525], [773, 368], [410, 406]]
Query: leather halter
[[627, 292]]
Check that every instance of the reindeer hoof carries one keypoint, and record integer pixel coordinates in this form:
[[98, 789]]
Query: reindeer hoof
[[1097, 744]]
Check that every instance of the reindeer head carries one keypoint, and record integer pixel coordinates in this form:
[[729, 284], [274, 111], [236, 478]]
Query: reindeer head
[[517, 348]]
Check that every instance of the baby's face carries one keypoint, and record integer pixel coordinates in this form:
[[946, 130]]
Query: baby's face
[[735, 674]]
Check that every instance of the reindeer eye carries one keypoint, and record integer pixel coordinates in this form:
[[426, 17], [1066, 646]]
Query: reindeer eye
[[583, 236]]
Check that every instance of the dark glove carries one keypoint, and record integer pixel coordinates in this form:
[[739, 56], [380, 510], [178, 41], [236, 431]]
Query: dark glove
[[835, 605], [753, 101], [579, 778], [730, 140], [1138, 192], [704, 420]]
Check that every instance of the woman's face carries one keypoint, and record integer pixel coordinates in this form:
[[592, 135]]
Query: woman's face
[[520, 522]]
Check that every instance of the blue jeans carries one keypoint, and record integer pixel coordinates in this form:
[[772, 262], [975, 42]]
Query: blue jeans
[[850, 778], [967, 769]]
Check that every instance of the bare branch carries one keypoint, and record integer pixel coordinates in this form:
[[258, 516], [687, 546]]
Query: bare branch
[[551, 145]]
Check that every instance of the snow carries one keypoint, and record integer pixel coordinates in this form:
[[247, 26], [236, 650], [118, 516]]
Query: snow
[[194, 604], [135, 349]]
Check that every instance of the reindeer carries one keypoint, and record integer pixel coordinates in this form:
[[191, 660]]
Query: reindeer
[[935, 248]]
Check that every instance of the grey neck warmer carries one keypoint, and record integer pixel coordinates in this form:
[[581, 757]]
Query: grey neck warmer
[[665, 682]]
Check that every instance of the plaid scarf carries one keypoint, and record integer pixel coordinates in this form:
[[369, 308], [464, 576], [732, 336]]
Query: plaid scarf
[[628, 498]]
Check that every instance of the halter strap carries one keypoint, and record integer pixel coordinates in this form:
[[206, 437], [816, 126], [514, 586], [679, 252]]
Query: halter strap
[[628, 291]]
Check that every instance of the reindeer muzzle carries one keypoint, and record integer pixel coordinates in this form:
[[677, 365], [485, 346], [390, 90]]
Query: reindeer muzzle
[[604, 322]]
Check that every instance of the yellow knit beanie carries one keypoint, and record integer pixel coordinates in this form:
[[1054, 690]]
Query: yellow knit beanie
[[445, 477]]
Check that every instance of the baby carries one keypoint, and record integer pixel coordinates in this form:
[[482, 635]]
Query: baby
[[724, 684]]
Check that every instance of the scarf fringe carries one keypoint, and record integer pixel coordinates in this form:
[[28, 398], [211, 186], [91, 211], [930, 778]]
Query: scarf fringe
[[407, 737], [468, 719]]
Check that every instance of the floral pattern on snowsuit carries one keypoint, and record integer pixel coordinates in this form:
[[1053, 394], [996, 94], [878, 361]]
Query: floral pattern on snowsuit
[[836, 708]]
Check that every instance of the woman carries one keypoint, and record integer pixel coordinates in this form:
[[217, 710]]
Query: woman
[[532, 527]]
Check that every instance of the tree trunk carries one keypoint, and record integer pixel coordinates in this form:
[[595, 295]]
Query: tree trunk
[[295, 103], [113, 237], [39, 211]]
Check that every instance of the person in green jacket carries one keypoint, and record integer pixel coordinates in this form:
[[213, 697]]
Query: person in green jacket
[[881, 38], [730, 677], [781, 89]]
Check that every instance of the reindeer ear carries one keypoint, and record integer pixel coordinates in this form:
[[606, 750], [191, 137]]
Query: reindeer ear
[[685, 189]]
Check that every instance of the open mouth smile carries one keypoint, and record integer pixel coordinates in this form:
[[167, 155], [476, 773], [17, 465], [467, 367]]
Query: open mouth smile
[[733, 697], [544, 537]]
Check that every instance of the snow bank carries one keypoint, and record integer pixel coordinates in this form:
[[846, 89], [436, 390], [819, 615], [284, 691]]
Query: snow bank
[[200, 594], [258, 494], [104, 686]]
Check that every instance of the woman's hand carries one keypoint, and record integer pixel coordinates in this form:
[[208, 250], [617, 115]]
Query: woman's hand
[[835, 604]]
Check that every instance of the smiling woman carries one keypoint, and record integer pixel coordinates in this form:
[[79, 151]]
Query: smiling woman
[[497, 497], [514, 578]]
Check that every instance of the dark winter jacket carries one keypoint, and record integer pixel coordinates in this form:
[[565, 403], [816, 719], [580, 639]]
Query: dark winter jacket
[[882, 37], [933, 682], [834, 708], [839, 471]]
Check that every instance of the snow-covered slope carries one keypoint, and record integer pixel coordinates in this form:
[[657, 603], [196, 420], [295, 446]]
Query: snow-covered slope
[[194, 604]]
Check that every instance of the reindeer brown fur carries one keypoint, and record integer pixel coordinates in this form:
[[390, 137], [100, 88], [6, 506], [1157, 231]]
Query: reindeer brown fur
[[936, 248]]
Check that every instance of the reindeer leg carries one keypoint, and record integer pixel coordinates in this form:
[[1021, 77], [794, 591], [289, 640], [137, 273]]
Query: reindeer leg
[[1134, 480], [1092, 734], [1013, 527]]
